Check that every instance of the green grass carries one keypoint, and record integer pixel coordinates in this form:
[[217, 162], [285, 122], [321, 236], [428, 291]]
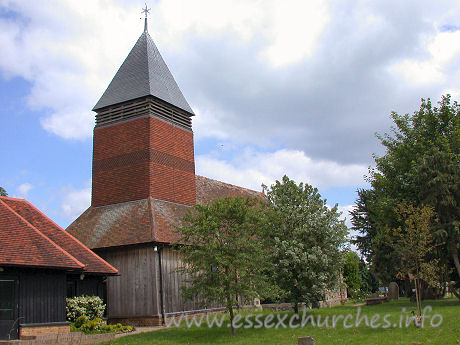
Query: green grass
[[446, 334]]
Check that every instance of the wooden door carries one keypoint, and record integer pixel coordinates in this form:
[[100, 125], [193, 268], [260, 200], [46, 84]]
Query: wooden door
[[8, 308]]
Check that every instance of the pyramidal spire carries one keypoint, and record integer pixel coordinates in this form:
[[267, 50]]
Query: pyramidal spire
[[143, 73]]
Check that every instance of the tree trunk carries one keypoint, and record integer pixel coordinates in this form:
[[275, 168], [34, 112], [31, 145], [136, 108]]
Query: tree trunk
[[457, 265], [453, 290], [455, 257], [230, 311], [296, 307], [418, 297], [407, 288]]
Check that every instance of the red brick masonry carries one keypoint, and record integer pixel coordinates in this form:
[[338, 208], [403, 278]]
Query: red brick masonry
[[26, 332], [140, 158]]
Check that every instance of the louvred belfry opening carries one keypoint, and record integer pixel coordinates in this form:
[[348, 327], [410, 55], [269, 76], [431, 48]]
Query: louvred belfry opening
[[143, 139]]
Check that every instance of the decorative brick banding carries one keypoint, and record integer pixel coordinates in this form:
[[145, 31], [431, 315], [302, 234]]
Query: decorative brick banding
[[143, 157]]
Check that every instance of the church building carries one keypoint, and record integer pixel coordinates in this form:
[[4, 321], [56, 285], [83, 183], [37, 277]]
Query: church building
[[143, 183]]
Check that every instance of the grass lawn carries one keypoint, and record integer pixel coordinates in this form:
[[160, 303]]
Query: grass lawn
[[446, 334]]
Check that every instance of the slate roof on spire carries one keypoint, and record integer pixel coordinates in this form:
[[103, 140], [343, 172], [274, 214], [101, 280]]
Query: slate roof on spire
[[143, 73]]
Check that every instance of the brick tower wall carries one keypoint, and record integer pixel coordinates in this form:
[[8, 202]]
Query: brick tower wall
[[143, 157]]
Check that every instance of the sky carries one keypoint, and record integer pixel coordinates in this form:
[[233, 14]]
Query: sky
[[278, 86]]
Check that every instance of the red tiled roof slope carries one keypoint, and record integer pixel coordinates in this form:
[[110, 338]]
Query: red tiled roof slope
[[208, 189], [92, 263], [146, 220], [114, 225], [21, 244]]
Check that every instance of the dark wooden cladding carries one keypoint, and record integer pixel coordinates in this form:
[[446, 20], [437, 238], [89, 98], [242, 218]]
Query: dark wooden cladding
[[143, 107], [89, 286], [172, 283], [136, 292], [42, 295]]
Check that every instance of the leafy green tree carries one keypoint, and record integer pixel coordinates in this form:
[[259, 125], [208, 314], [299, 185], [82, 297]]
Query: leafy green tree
[[421, 165], [225, 257], [351, 274], [370, 217], [414, 243], [305, 238], [3, 192], [368, 282]]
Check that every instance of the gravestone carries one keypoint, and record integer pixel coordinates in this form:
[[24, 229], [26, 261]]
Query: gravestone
[[306, 341], [393, 291], [257, 304]]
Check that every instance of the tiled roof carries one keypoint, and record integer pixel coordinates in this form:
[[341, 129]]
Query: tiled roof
[[22, 244], [208, 189], [146, 220], [20, 220], [143, 73]]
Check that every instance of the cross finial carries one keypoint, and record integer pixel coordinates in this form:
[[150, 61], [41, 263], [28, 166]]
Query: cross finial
[[146, 11]]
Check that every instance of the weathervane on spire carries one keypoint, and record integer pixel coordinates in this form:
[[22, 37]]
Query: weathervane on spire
[[146, 11]]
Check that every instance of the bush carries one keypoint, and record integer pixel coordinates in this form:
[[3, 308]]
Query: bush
[[80, 321], [91, 326], [89, 306], [97, 326]]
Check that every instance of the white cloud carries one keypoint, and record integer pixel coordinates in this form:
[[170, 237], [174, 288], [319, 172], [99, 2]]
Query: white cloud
[[76, 201], [24, 189], [333, 86], [55, 48], [346, 214], [250, 169], [206, 124], [69, 123], [295, 28], [442, 49], [70, 50]]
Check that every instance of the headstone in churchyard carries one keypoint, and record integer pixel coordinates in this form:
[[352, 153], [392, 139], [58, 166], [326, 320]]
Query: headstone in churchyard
[[257, 304], [393, 291], [306, 341]]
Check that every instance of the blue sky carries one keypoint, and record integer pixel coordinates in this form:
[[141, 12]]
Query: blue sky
[[279, 87]]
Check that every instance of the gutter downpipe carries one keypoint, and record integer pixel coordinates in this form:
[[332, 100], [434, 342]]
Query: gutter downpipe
[[160, 273]]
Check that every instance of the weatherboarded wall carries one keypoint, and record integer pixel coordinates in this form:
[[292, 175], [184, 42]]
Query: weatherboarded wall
[[135, 293]]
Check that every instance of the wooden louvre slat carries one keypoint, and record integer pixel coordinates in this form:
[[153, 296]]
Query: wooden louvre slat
[[142, 107]]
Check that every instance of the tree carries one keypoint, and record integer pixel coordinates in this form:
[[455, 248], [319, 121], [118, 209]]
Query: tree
[[305, 238], [421, 166], [224, 257], [351, 274], [368, 282], [414, 243], [3, 192]]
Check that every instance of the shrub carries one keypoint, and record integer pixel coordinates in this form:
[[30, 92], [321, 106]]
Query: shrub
[[89, 306], [80, 321], [97, 326], [91, 326]]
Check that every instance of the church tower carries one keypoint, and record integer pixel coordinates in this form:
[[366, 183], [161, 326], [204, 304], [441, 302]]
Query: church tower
[[143, 139], [144, 184]]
